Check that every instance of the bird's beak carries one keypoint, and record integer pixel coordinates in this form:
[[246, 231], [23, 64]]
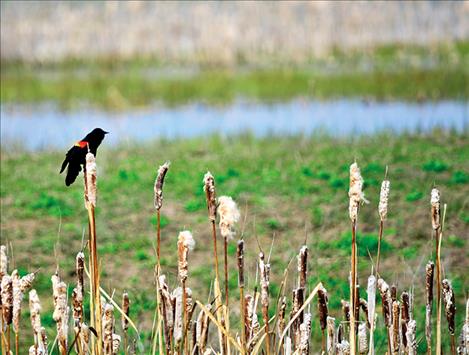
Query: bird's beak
[[106, 132]]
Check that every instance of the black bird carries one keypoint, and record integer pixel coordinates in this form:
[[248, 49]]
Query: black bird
[[76, 156]]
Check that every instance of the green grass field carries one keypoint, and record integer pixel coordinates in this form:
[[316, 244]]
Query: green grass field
[[289, 190]]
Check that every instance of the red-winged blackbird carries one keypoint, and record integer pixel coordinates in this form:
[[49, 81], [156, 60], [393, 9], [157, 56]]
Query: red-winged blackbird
[[76, 156]]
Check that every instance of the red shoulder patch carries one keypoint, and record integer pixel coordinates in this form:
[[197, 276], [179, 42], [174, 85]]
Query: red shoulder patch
[[81, 144]]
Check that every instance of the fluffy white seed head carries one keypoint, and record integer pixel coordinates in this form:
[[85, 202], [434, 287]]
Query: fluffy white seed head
[[91, 179], [383, 199], [3, 261], [229, 216], [435, 202], [355, 191], [209, 188]]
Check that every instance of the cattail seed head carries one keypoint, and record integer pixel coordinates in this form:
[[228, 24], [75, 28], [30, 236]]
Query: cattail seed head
[[240, 258], [7, 299], [20, 286], [405, 316], [251, 322], [429, 271], [371, 293], [116, 343], [331, 338], [264, 270], [343, 348], [435, 202], [61, 311], [158, 187], [209, 188], [281, 315], [3, 261], [450, 305], [383, 199], [35, 311], [364, 307], [91, 180], [411, 337], [322, 307], [179, 311], [185, 243], [355, 191], [108, 328], [125, 311], [362, 339], [346, 310], [386, 302], [302, 266], [395, 325], [305, 331], [229, 216]]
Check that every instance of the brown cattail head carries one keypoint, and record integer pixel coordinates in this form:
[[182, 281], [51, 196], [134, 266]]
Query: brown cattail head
[[229, 216], [240, 257], [91, 179], [355, 191], [395, 325], [386, 302], [393, 290], [450, 305], [383, 200], [185, 243], [302, 266], [125, 311], [108, 328], [322, 307], [405, 316], [429, 271], [364, 307], [79, 268], [77, 293], [158, 187], [7, 299], [435, 202], [264, 271], [209, 188]]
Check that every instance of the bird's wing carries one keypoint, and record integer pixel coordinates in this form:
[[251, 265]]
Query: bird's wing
[[74, 158], [66, 160]]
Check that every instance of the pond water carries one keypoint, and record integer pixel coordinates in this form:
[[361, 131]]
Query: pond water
[[48, 127]]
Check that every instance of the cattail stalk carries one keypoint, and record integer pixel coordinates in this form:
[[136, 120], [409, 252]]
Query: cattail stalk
[[125, 315], [386, 301], [264, 271], [61, 312], [90, 203], [383, 211], [371, 292], [323, 314], [355, 197], [450, 311], [429, 271], [240, 263], [229, 216], [436, 227]]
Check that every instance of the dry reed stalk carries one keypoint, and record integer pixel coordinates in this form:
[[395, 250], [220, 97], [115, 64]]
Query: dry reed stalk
[[305, 331], [108, 328], [355, 198], [264, 271], [395, 327], [240, 264], [429, 271], [405, 317], [331, 338], [167, 311], [229, 216], [383, 211], [185, 243], [411, 337], [7, 308], [90, 203], [362, 339], [323, 314], [20, 286], [450, 311], [61, 312], [436, 227], [125, 315], [387, 309], [202, 328], [371, 293]]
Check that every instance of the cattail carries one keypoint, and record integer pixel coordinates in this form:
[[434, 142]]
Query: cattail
[[3, 261], [298, 299], [435, 202], [229, 216], [35, 312], [91, 175], [340, 333], [202, 327], [302, 266], [167, 310], [383, 199], [463, 347], [405, 317], [450, 305], [77, 293], [116, 343], [251, 322], [411, 337], [281, 316], [209, 188], [108, 328], [17, 298], [179, 311], [343, 348], [322, 307], [371, 293], [386, 302], [362, 339], [125, 311], [346, 310], [158, 187], [364, 307], [305, 331], [84, 337], [264, 271], [61, 311], [331, 338], [7, 299], [393, 290], [355, 191], [395, 327], [240, 258], [429, 270], [185, 243]]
